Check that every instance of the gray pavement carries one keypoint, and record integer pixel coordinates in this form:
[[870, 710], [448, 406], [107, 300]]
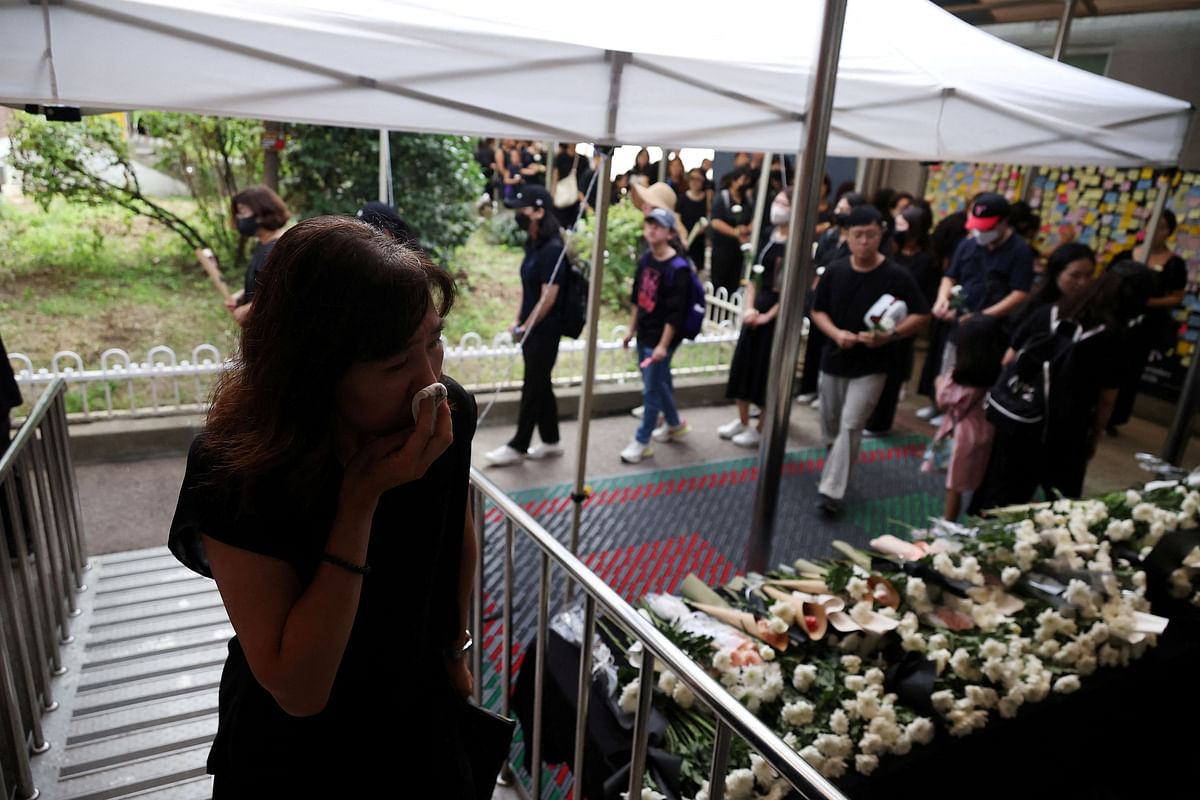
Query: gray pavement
[[127, 505]]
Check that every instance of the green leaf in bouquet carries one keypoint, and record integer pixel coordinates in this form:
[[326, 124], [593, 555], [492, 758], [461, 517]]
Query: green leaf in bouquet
[[838, 575], [860, 558]]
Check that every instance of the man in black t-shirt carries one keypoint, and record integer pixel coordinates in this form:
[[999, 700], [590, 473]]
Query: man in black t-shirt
[[855, 362]]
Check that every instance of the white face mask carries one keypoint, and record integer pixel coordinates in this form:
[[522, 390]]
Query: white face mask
[[986, 237], [780, 214]]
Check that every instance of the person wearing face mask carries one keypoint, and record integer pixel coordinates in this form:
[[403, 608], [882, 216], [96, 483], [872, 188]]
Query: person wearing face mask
[[732, 220], [751, 365], [855, 361], [336, 525], [543, 272], [994, 266], [259, 213]]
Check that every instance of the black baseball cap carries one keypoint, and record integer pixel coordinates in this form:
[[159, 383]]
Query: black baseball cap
[[531, 196], [384, 218]]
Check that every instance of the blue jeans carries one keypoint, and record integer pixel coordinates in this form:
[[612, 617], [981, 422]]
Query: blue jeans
[[658, 393]]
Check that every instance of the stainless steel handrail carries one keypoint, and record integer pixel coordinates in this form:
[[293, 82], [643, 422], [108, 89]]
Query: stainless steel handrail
[[41, 563], [733, 718]]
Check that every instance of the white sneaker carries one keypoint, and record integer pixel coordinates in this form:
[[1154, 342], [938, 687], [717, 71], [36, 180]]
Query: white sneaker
[[665, 433], [639, 411], [755, 412], [926, 412], [748, 438], [816, 403], [807, 397], [635, 451], [544, 450], [731, 429], [504, 456], [937, 421]]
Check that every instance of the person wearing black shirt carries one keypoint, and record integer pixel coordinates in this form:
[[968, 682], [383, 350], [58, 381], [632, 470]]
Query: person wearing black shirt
[[568, 166], [257, 212], [1158, 331], [751, 365], [336, 525], [912, 251], [661, 287], [732, 218], [693, 205], [543, 272], [855, 362]]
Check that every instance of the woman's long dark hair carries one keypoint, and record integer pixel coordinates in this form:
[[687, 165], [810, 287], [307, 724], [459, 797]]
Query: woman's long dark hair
[[979, 348], [1111, 300], [1063, 255], [334, 292]]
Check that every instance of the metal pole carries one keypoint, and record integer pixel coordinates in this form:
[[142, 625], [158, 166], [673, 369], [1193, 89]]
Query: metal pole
[[760, 205], [802, 225], [539, 676], [589, 355], [506, 634], [1181, 426], [641, 723], [14, 737], [477, 621], [720, 761], [662, 164], [1064, 29], [385, 167], [583, 694]]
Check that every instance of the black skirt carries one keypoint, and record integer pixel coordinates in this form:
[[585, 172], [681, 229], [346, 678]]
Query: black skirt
[[751, 365]]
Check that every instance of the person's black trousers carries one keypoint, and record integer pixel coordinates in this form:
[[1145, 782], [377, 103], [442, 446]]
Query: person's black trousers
[[812, 359], [1021, 464], [1131, 363], [539, 407], [899, 371]]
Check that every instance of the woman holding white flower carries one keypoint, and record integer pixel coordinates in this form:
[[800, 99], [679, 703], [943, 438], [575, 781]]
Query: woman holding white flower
[[336, 526]]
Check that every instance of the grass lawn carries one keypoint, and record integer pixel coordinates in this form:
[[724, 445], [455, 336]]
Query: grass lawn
[[91, 278]]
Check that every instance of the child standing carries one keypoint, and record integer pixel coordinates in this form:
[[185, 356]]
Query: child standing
[[660, 299], [960, 394]]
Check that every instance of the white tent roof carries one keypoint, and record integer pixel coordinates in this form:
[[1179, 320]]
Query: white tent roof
[[913, 81]]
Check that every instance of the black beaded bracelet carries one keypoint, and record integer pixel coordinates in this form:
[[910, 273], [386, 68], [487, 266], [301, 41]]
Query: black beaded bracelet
[[349, 566]]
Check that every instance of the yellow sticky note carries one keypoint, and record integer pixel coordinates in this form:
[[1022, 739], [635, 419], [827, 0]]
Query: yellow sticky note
[[1147, 172], [1089, 218]]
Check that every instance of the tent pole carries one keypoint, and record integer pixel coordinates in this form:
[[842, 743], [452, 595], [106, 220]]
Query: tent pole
[[760, 204], [801, 232], [385, 163], [662, 163], [1064, 29], [578, 494]]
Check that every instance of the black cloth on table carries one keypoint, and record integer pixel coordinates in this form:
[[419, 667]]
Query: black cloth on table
[[391, 681]]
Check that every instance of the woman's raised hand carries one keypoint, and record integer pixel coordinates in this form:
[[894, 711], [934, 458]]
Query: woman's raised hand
[[399, 458]]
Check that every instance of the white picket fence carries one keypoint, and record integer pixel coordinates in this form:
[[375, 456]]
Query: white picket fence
[[163, 384]]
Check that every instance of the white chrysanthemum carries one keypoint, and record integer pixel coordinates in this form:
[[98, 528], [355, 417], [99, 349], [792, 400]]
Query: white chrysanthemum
[[865, 765], [766, 652], [867, 705], [1119, 530], [982, 696], [739, 785], [772, 682], [1180, 584], [803, 677], [913, 642], [722, 660], [855, 683], [1086, 665], [1007, 708], [939, 641], [872, 744], [915, 590], [969, 571], [863, 613], [852, 664], [993, 649], [1045, 518], [666, 682], [940, 658], [945, 565], [777, 624], [683, 695], [834, 767], [920, 730], [629, 697], [1143, 512], [1026, 555], [942, 701], [1109, 656], [875, 676], [798, 713], [839, 723], [909, 623], [762, 771], [813, 756], [963, 666], [1132, 498], [1066, 684], [857, 588], [1010, 575], [1069, 653]]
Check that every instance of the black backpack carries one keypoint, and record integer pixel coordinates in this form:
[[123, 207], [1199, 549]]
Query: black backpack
[[1020, 401], [573, 300]]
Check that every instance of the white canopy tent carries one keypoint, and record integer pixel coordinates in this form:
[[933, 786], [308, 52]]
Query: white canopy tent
[[913, 81]]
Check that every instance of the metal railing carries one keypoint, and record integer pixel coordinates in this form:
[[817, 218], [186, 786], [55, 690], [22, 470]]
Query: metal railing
[[42, 558], [164, 384], [733, 719]]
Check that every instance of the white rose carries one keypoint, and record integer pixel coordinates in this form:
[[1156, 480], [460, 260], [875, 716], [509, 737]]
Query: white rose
[[739, 785], [629, 697], [920, 730], [803, 677], [865, 764], [1066, 684], [798, 713]]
